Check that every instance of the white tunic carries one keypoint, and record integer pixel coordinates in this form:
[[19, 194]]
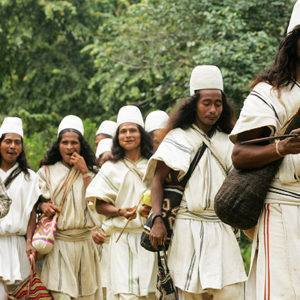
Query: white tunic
[[73, 266], [24, 192], [275, 270], [132, 268], [204, 252]]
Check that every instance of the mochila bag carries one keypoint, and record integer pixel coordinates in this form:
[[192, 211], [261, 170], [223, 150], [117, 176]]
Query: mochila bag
[[5, 201], [32, 287], [241, 197], [44, 234], [172, 196], [165, 288]]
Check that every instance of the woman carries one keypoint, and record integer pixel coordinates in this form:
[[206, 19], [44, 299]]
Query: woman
[[71, 269], [274, 100], [118, 188], [204, 256], [21, 185]]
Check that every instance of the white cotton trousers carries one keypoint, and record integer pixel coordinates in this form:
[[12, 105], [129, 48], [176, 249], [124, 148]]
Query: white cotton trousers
[[275, 268]]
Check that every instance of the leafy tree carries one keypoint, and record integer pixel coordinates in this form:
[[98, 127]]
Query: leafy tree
[[145, 56]]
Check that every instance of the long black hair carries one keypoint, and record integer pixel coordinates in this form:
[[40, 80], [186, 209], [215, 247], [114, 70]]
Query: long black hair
[[185, 115], [283, 71], [146, 145], [53, 155], [21, 159]]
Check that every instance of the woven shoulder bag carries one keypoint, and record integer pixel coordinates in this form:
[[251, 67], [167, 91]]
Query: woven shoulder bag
[[241, 197]]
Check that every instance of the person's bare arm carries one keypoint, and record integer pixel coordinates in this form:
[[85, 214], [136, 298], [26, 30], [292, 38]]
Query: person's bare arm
[[158, 231], [256, 156], [30, 231], [110, 210]]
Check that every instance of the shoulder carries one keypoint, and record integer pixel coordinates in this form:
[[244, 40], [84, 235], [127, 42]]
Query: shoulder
[[179, 139], [112, 167]]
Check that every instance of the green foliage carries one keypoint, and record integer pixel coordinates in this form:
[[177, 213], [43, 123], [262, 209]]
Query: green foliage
[[145, 56], [91, 57]]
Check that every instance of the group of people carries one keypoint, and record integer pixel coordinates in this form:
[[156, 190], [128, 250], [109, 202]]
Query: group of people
[[97, 199]]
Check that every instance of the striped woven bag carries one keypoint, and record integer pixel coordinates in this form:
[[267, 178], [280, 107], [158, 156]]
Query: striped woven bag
[[32, 287]]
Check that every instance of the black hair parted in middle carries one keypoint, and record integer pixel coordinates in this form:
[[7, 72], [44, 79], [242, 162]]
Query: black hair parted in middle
[[185, 114], [146, 145], [53, 155]]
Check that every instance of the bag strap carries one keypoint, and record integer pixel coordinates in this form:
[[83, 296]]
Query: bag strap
[[133, 168], [14, 174], [193, 165], [66, 184]]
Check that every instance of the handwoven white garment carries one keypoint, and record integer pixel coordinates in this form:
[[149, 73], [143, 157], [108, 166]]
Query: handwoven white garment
[[275, 269], [259, 111], [73, 266], [132, 269], [24, 192], [204, 252]]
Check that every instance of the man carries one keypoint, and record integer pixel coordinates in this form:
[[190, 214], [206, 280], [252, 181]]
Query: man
[[22, 187], [274, 100], [204, 256]]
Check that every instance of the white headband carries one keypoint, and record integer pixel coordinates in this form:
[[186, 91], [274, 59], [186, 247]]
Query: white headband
[[156, 120], [206, 77], [12, 125], [107, 127], [71, 122], [104, 146], [295, 17], [130, 114]]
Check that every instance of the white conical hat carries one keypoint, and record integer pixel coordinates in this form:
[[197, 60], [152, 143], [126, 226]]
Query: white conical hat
[[130, 114], [157, 119], [12, 125], [107, 127], [71, 122], [206, 77], [104, 146], [295, 17]]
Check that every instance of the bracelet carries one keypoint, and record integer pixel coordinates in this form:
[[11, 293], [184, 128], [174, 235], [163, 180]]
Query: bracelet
[[277, 149], [159, 215], [118, 212]]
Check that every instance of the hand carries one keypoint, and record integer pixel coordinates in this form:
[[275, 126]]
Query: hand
[[105, 157], [128, 213], [290, 145], [144, 210], [49, 209], [158, 233], [30, 251], [98, 236], [79, 163]]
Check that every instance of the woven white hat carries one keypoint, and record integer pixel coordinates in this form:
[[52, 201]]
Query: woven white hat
[[12, 125], [71, 122], [295, 17], [206, 77], [104, 146], [156, 120], [107, 127], [130, 114]]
